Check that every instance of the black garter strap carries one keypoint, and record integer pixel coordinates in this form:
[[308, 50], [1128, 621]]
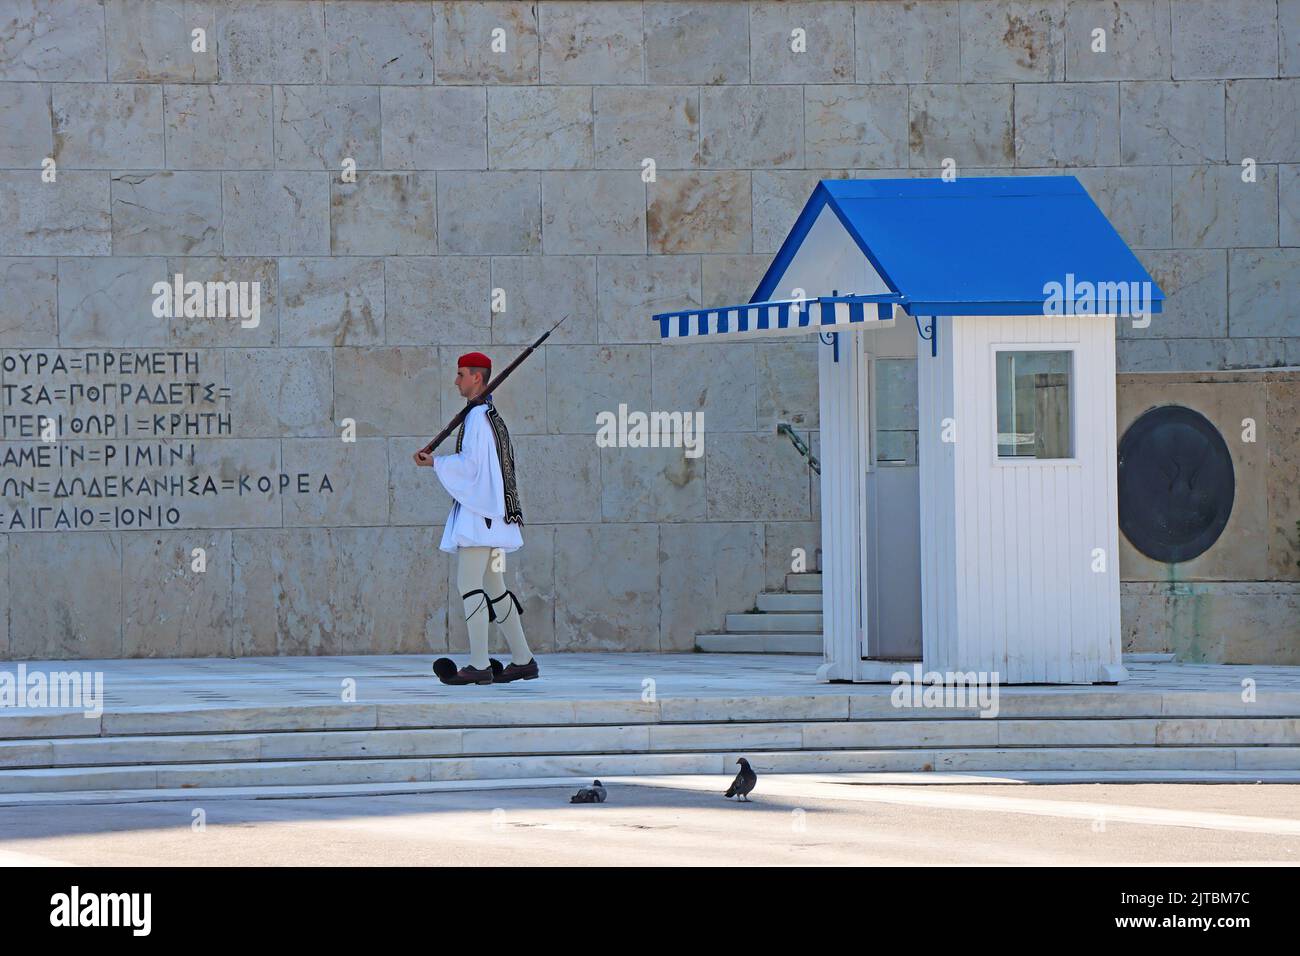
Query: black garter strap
[[492, 614], [511, 595]]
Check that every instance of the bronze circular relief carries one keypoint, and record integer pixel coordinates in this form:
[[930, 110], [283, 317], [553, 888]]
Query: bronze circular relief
[[1176, 484]]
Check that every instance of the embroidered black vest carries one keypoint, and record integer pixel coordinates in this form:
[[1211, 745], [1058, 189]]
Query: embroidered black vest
[[505, 457]]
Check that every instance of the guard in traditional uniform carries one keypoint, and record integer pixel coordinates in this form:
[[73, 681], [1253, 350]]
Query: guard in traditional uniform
[[483, 526]]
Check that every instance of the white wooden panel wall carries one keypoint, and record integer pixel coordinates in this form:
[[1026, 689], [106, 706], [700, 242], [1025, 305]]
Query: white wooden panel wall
[[936, 459], [844, 418], [1010, 584]]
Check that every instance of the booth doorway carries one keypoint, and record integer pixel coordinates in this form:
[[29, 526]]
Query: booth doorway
[[892, 513]]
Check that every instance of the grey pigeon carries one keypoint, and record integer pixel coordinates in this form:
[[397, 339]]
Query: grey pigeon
[[744, 782], [593, 794]]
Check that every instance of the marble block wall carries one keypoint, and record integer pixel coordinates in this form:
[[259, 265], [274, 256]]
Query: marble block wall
[[501, 154]]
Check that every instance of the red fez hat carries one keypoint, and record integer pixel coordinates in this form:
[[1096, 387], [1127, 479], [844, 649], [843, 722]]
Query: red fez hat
[[474, 360]]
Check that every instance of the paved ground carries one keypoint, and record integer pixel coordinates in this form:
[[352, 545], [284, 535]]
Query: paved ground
[[258, 681], [796, 819]]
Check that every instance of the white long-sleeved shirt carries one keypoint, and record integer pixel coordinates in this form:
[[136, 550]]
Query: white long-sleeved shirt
[[473, 478]]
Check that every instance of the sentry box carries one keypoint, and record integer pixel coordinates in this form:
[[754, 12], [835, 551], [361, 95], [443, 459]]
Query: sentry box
[[996, 549]]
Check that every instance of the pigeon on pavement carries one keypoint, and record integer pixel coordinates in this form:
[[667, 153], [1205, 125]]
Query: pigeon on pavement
[[744, 782], [593, 794]]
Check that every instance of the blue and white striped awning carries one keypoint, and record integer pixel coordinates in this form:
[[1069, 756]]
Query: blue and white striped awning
[[781, 317]]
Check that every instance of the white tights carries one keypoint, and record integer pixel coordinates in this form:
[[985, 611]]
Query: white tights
[[477, 571]]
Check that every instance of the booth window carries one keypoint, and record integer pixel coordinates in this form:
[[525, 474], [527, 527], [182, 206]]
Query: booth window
[[1033, 396]]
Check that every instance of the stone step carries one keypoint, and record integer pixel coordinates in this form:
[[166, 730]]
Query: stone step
[[771, 643], [500, 707], [418, 769], [781, 621], [635, 738], [810, 602], [802, 583], [696, 782]]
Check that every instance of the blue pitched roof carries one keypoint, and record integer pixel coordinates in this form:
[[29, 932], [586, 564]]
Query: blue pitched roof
[[976, 246]]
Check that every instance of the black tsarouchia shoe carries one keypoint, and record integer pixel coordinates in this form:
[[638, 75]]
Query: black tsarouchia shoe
[[469, 675], [515, 671]]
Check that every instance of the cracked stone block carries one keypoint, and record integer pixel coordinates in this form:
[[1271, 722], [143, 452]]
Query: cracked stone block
[[52, 40], [282, 213], [1262, 289], [1195, 284], [468, 49], [379, 42], [384, 214], [318, 127], [1137, 38], [1171, 123], [1064, 124], [540, 128], [153, 41], [167, 213], [1214, 208], [1262, 120], [853, 126]]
